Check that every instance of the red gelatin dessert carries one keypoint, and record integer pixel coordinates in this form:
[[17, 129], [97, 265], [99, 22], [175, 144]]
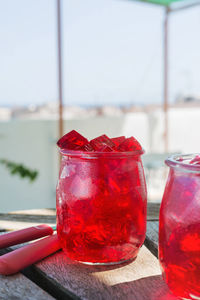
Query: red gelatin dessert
[[118, 140], [130, 144], [73, 141], [179, 227], [102, 143], [101, 203]]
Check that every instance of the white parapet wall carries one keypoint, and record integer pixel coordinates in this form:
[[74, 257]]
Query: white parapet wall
[[33, 143]]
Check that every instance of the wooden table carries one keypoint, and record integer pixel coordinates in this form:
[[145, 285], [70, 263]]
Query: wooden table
[[57, 277]]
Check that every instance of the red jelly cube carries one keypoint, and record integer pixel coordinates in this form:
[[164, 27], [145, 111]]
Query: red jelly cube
[[105, 149], [72, 141], [130, 144], [118, 140], [102, 143], [88, 148]]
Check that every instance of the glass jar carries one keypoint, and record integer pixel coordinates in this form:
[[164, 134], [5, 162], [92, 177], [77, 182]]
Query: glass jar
[[179, 228], [101, 206]]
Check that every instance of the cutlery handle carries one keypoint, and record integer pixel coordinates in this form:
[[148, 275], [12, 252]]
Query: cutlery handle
[[23, 257], [24, 235]]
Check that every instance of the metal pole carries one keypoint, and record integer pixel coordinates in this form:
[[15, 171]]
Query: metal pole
[[166, 69], [60, 88]]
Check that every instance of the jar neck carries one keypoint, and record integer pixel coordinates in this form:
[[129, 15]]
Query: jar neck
[[96, 155], [183, 163]]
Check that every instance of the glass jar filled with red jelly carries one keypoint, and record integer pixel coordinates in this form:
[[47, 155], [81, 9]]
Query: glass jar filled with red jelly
[[101, 205], [179, 228]]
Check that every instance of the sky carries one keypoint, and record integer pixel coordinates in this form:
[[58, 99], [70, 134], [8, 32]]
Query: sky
[[112, 52]]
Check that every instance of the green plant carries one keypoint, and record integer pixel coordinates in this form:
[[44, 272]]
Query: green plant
[[19, 169]]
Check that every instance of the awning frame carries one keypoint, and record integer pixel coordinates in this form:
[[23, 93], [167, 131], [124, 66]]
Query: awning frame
[[169, 8]]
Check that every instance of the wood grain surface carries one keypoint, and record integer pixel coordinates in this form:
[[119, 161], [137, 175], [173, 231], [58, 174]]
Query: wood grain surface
[[18, 287], [138, 280], [151, 241]]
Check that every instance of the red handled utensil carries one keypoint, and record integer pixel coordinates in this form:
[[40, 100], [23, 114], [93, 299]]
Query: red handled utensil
[[25, 235], [21, 258]]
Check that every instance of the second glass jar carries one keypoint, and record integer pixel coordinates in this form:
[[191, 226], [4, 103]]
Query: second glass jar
[[179, 228]]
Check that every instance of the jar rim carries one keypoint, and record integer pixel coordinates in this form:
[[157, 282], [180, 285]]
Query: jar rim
[[84, 154], [181, 161]]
